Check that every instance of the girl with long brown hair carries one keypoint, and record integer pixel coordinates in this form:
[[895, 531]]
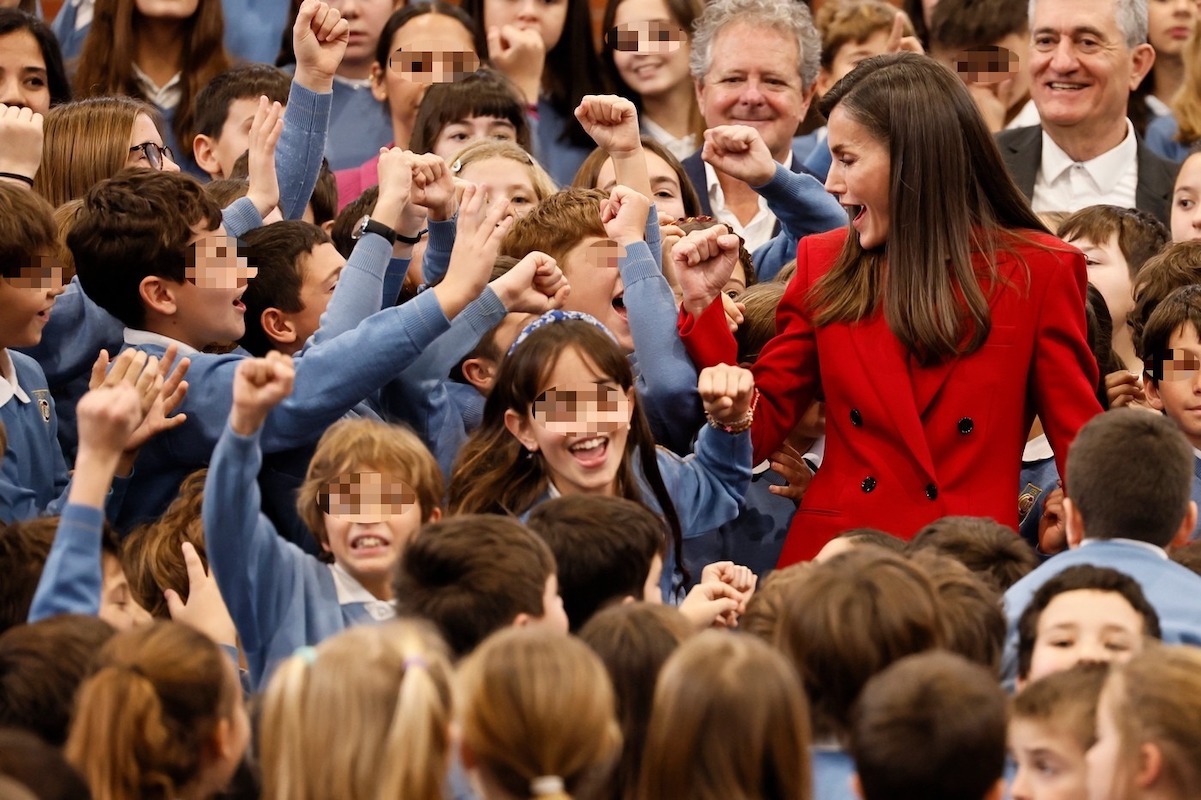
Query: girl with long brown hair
[[937, 325]]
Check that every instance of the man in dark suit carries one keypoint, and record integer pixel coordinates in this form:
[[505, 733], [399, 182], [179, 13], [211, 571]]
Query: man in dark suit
[[1086, 57]]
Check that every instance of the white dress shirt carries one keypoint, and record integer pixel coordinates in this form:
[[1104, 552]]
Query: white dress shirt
[[756, 232], [1066, 185]]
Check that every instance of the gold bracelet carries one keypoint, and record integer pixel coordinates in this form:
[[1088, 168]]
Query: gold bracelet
[[741, 425]]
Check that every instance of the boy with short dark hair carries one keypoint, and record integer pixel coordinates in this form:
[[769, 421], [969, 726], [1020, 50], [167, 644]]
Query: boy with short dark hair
[[224, 110]]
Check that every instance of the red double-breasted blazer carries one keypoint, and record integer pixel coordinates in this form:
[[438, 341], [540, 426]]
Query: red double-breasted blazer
[[907, 444]]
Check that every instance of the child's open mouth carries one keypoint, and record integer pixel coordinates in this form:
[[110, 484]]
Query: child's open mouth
[[590, 453]]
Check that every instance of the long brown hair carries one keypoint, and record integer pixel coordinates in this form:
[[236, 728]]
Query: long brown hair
[[106, 63], [85, 142], [949, 195], [495, 475]]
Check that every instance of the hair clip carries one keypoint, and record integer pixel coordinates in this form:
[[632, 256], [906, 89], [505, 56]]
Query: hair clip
[[306, 654], [558, 315], [546, 784], [457, 166]]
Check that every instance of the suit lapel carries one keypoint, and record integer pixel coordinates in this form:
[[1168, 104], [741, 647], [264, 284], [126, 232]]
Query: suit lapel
[[1155, 183], [694, 168]]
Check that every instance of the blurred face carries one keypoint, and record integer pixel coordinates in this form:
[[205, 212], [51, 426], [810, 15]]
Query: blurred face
[[1169, 24], [1050, 762], [754, 79], [144, 141], [545, 16], [235, 134], [592, 269], [1081, 70], [849, 56], [859, 177], [167, 9], [1186, 201], [653, 55], [1085, 625], [26, 301], [367, 18], [117, 606], [238, 730], [503, 179], [1178, 394], [1104, 758], [1109, 272], [999, 68], [579, 424], [667, 195], [23, 80], [321, 269], [208, 304], [455, 136]]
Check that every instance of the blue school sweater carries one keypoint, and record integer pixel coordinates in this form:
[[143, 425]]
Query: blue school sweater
[[803, 206], [33, 476], [73, 577], [332, 376], [280, 598], [359, 125], [561, 158], [79, 329]]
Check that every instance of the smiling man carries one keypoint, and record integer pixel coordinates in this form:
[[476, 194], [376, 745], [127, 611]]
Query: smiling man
[[1086, 57]]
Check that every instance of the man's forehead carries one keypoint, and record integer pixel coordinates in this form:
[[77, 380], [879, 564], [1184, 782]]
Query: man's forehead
[[1074, 16], [768, 42]]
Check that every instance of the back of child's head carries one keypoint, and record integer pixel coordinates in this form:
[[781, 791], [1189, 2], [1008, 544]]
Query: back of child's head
[[541, 182], [278, 251], [366, 445], [964, 24], [537, 716], [850, 618], [145, 722], [324, 201], [954, 708], [24, 548], [704, 223], [557, 225], [472, 575], [27, 231], [1177, 265], [758, 319], [1140, 235], [716, 689], [152, 554], [842, 24], [224, 191], [1130, 476], [484, 93], [1081, 578], [41, 666], [1065, 701], [603, 549], [973, 622], [38, 767], [986, 547], [1153, 704], [348, 218], [133, 226], [248, 81], [389, 687], [861, 537], [768, 606], [634, 640]]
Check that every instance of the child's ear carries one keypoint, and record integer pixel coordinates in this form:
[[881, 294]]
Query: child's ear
[[1151, 388], [480, 373], [204, 151], [1074, 524], [378, 90], [1150, 766], [522, 429], [327, 226], [1185, 532], [435, 515], [277, 326], [158, 294]]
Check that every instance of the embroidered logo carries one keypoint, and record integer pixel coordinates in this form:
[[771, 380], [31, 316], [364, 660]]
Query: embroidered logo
[[1027, 499], [43, 398]]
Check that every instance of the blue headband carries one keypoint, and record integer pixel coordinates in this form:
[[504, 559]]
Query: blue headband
[[558, 315]]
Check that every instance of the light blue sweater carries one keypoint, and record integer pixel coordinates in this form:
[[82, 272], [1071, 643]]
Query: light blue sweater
[[803, 206]]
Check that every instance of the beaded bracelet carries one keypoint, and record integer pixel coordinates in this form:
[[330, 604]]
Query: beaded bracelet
[[741, 425]]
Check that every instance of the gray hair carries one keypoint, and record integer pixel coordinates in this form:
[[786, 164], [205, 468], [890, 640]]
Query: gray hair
[[1131, 16], [785, 16]]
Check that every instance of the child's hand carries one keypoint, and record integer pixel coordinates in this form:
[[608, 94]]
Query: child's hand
[[712, 604], [205, 609], [740, 152], [1124, 388], [260, 384], [265, 131], [520, 55], [738, 577], [726, 392], [395, 185], [107, 416], [898, 42], [789, 464], [434, 186], [1052, 526], [160, 405], [704, 261], [534, 285], [612, 122], [734, 312], [20, 141], [477, 242], [319, 38], [624, 215]]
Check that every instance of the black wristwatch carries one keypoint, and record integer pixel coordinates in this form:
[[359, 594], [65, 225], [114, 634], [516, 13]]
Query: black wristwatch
[[368, 225]]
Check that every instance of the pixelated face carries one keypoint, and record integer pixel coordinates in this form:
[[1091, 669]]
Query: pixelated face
[[1186, 201], [592, 270], [1104, 760], [457, 135], [1085, 625], [665, 184], [369, 517], [433, 62], [1050, 762], [26, 300], [1178, 391], [650, 51], [754, 79], [1081, 70], [213, 263], [545, 16], [648, 37], [1170, 22], [504, 180], [1109, 272], [23, 78], [208, 304], [146, 148], [859, 177], [986, 64], [579, 424]]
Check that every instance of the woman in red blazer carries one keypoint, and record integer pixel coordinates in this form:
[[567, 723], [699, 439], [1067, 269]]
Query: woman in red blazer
[[936, 327]]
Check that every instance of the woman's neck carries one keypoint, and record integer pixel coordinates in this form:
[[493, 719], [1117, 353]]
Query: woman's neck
[[1169, 75], [160, 48], [402, 128], [672, 110]]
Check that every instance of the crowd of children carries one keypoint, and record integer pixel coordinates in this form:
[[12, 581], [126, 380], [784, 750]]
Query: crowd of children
[[351, 446]]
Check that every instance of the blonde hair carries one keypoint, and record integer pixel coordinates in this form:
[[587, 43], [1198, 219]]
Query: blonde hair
[[484, 149], [144, 719], [359, 444], [1156, 698], [537, 710], [84, 143], [387, 690], [735, 705]]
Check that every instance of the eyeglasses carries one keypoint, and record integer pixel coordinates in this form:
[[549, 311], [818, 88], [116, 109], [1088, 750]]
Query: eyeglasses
[[154, 153]]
